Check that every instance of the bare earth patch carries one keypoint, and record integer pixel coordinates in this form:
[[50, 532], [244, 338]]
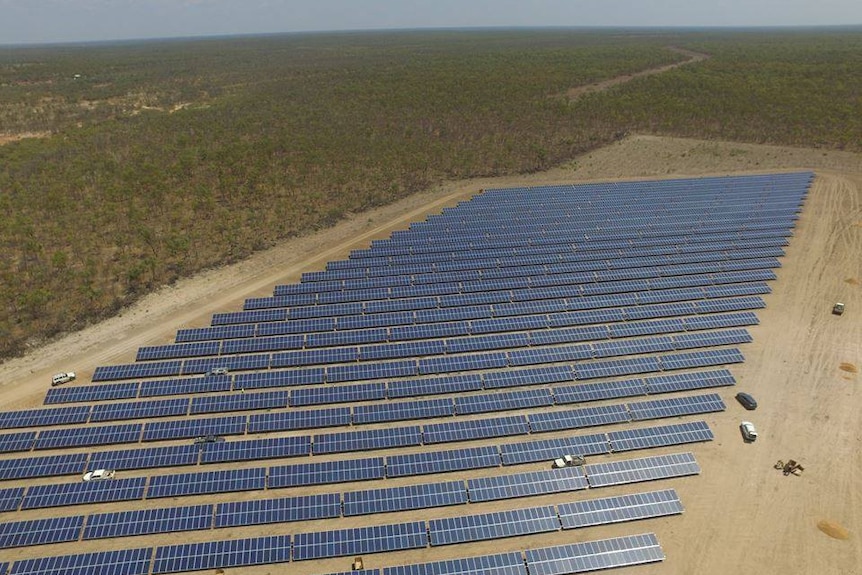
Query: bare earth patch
[[740, 515], [849, 367], [7, 138], [833, 530]]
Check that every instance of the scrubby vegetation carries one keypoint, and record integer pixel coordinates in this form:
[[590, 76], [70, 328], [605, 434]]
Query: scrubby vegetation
[[165, 158]]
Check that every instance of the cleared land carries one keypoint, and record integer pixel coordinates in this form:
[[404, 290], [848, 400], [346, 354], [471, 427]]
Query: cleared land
[[741, 514]]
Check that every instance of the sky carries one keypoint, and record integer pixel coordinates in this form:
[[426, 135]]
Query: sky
[[47, 21]]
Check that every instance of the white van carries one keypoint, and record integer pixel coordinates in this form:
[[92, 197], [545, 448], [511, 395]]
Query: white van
[[61, 378]]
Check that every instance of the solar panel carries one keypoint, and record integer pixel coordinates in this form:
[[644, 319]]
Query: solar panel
[[366, 440], [221, 554], [701, 359], [434, 385], [660, 436], [21, 441], [601, 390], [89, 435], [404, 498], [526, 484], [675, 406], [40, 531], [299, 419], [10, 498], [618, 509], [202, 482], [285, 509], [685, 381], [183, 386], [524, 377], [147, 521], [139, 409], [405, 410], [617, 367], [550, 449], [44, 466], [280, 378], [238, 402], [64, 494], [357, 541], [594, 555], [361, 371], [577, 418], [104, 392], [44, 416], [168, 456], [251, 449], [475, 429], [493, 525], [501, 564], [122, 562], [642, 469], [442, 461], [338, 471], [503, 401], [187, 428]]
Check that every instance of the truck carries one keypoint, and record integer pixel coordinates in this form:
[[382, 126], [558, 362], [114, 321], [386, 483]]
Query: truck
[[569, 461]]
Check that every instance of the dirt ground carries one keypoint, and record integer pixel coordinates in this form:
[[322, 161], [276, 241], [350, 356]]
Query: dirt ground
[[741, 515]]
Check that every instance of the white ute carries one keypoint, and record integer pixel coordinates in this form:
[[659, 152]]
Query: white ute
[[98, 475], [61, 378], [569, 461], [749, 433]]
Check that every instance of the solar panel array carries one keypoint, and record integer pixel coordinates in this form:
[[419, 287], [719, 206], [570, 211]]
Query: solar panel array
[[526, 313]]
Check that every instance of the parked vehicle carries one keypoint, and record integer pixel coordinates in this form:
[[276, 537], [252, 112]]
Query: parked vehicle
[[569, 461], [62, 377], [209, 439], [749, 433], [838, 308], [99, 474], [217, 371], [746, 400]]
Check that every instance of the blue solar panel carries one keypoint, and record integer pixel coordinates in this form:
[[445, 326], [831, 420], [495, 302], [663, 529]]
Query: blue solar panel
[[621, 508], [526, 484], [45, 416], [303, 508], [404, 498], [524, 377], [365, 440], [434, 385], [578, 418], [169, 456], [21, 441], [616, 367], [404, 410], [40, 531], [642, 469], [660, 436], [182, 386], [317, 356], [338, 471], [222, 554], [251, 449], [137, 370], [594, 555], [569, 335], [104, 392], [462, 363], [550, 449], [48, 465], [442, 461], [675, 406], [361, 371], [281, 378], [147, 521], [493, 525], [123, 562], [186, 428], [597, 391], [300, 419], [503, 401], [10, 498], [238, 402], [686, 381], [261, 344], [63, 494], [90, 435], [337, 394], [358, 541], [140, 409], [701, 359], [502, 564], [475, 429], [178, 350], [206, 482]]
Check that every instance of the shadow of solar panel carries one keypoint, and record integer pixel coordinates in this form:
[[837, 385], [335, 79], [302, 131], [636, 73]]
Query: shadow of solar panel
[[526, 484], [720, 320], [219, 333], [550, 449], [65, 494], [362, 371], [44, 466], [252, 449], [503, 401], [284, 378], [148, 521], [434, 385], [525, 377], [404, 498], [137, 370], [140, 409], [642, 469], [475, 429], [400, 411], [366, 440], [168, 456], [202, 482], [238, 402], [361, 540], [616, 367], [701, 359], [577, 418], [338, 471], [301, 419], [676, 406], [442, 461], [304, 508], [618, 509], [44, 416], [493, 525], [21, 441], [647, 437], [594, 555], [501, 564], [178, 350], [596, 391], [187, 428], [221, 554], [81, 393], [686, 381], [123, 562], [90, 435], [40, 531], [184, 386]]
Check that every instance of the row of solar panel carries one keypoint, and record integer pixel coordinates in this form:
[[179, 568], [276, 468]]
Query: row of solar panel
[[313, 473], [332, 505], [402, 325], [705, 287], [557, 560]]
